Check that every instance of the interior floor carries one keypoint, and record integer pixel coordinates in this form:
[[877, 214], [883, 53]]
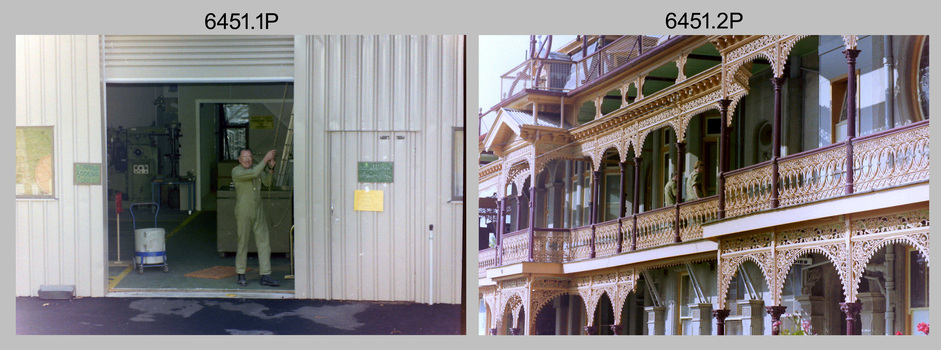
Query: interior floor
[[190, 246]]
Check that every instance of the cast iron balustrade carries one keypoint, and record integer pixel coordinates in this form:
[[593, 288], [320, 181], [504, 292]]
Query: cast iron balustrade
[[883, 160], [515, 247], [486, 258]]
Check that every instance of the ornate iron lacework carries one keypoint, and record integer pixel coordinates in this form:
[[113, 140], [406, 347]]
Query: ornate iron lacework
[[892, 159], [579, 248], [487, 258], [749, 191], [552, 283], [549, 246], [655, 229], [745, 242], [813, 178], [891, 222], [514, 283], [606, 239], [515, 248], [627, 230], [824, 232], [692, 216], [728, 267]]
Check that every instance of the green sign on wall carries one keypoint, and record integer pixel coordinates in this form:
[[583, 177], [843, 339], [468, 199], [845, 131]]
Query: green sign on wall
[[87, 174], [374, 171]]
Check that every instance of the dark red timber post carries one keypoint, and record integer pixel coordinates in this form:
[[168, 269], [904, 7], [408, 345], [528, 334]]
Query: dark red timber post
[[850, 115], [778, 82]]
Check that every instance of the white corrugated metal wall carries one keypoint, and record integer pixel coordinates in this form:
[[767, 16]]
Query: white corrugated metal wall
[[350, 91], [198, 58], [61, 240]]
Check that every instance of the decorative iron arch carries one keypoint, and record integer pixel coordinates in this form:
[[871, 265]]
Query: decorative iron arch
[[729, 268], [832, 252]]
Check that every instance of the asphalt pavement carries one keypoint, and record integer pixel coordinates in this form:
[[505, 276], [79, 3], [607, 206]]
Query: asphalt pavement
[[216, 316]]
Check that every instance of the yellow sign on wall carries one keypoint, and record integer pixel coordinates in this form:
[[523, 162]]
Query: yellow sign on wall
[[367, 200], [261, 122]]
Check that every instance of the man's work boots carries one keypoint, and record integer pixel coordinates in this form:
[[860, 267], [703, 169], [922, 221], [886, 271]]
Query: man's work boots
[[267, 281], [242, 282]]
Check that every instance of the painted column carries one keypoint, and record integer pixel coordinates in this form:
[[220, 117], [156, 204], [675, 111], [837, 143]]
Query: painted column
[[700, 318], [532, 218], [723, 152], [591, 330], [636, 201], [872, 315], [752, 317], [720, 315], [814, 307], [616, 329], [776, 312], [778, 82], [890, 290], [622, 209], [852, 313], [656, 320], [520, 200], [501, 228], [850, 115], [596, 197], [681, 186], [579, 195]]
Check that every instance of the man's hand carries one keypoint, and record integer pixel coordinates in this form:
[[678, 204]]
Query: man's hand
[[269, 157]]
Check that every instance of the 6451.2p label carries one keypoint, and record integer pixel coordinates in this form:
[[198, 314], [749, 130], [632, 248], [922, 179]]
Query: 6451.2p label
[[703, 20]]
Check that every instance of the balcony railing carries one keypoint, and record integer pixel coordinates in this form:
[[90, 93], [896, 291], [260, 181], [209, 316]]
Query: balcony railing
[[486, 258], [887, 159], [563, 75], [748, 190], [656, 227], [813, 175], [515, 247]]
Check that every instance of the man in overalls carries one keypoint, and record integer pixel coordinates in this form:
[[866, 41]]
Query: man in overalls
[[250, 215]]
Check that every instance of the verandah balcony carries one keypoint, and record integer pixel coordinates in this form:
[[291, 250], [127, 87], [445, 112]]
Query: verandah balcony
[[563, 74], [891, 158]]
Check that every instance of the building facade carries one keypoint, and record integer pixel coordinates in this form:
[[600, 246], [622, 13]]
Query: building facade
[[734, 184], [356, 99]]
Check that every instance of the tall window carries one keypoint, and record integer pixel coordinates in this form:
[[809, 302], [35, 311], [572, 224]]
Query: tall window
[[683, 299], [923, 79]]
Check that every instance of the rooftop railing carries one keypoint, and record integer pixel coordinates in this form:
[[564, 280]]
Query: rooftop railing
[[564, 75]]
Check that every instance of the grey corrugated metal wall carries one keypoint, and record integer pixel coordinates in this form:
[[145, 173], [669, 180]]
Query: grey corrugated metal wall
[[349, 92], [61, 240]]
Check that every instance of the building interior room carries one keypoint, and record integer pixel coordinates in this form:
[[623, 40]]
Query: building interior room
[[170, 152]]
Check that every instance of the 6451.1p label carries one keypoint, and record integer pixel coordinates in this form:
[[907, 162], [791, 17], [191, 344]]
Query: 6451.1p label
[[236, 20]]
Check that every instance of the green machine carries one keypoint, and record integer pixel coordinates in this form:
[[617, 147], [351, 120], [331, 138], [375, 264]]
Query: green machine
[[143, 161]]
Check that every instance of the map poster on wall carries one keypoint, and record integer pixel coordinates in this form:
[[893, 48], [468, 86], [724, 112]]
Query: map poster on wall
[[34, 161]]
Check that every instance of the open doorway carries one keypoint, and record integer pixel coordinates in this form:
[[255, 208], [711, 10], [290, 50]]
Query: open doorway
[[170, 155]]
